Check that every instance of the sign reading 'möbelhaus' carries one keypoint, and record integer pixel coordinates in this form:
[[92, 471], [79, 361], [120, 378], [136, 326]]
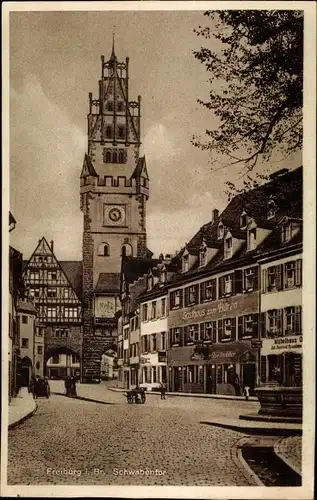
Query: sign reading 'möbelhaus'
[[236, 305]]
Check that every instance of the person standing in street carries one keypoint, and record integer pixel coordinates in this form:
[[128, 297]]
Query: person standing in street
[[163, 390]]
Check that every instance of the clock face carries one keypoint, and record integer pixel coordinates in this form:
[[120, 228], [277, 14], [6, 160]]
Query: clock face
[[114, 215]]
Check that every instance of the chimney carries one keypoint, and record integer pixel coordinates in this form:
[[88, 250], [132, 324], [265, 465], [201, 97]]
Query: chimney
[[52, 245], [215, 216]]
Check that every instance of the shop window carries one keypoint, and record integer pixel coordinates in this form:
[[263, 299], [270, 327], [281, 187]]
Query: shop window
[[25, 343], [103, 250], [208, 290], [175, 299], [24, 319], [250, 279], [145, 312], [191, 295], [228, 248]]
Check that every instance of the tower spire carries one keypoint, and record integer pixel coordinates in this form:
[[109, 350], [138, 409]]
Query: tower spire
[[113, 56]]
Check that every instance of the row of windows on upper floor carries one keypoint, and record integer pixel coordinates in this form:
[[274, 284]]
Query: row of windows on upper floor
[[118, 133], [104, 250], [114, 155], [25, 343], [51, 292], [271, 324], [110, 106], [275, 278], [57, 358], [45, 276]]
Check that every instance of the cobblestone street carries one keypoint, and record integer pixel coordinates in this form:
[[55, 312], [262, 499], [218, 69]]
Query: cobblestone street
[[95, 442]]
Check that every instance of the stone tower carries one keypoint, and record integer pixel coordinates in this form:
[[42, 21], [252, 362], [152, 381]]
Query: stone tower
[[114, 189]]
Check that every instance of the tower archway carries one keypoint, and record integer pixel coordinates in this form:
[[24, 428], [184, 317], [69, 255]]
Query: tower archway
[[62, 361]]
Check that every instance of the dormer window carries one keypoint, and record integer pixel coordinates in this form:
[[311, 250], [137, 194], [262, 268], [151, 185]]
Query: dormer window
[[286, 232], [271, 209], [185, 263], [163, 276], [149, 282], [203, 255], [252, 239], [220, 230], [243, 220], [228, 248]]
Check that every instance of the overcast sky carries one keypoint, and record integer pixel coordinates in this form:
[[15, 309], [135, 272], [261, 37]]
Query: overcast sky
[[54, 64]]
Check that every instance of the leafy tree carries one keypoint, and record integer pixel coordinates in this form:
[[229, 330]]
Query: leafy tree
[[256, 85]]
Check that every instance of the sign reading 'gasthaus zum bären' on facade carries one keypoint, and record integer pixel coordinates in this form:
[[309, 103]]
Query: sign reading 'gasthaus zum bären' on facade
[[218, 309]]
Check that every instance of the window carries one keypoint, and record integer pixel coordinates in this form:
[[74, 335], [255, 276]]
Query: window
[[51, 293], [202, 257], [114, 157], [120, 132], [71, 313], [103, 250], [34, 276], [191, 295], [108, 132], [225, 285], [243, 220], [274, 321], [185, 263], [108, 157], [154, 347], [208, 290], [163, 307], [25, 343], [248, 326], [192, 333], [126, 333], [52, 276], [293, 320], [220, 231], [51, 313], [110, 106], [163, 341], [66, 293], [153, 314], [24, 319], [271, 209], [126, 250], [120, 106], [145, 312], [175, 299], [121, 157], [252, 239], [61, 332], [250, 276], [40, 331], [274, 278], [34, 292], [55, 359], [75, 359], [226, 329], [286, 232], [289, 274], [211, 331], [174, 336], [39, 349], [228, 248]]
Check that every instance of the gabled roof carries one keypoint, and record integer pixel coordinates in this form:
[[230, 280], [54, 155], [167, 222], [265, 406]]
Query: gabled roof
[[108, 283], [140, 169], [74, 272], [26, 306], [88, 168], [134, 267]]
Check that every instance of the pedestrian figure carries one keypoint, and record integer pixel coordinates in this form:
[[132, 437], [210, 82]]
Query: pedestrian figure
[[246, 392], [68, 386], [32, 386], [73, 387], [163, 390]]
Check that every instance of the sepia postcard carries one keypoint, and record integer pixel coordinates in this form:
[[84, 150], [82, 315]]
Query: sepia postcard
[[158, 305]]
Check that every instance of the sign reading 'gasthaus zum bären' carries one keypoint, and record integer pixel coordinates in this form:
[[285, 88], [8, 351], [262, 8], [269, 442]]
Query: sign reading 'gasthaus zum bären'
[[218, 309]]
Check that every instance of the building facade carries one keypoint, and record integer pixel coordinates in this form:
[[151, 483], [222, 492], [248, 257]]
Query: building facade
[[28, 349], [114, 189], [55, 290]]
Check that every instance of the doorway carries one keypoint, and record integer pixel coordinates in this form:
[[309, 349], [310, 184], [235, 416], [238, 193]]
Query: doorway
[[26, 372], [211, 382], [249, 376]]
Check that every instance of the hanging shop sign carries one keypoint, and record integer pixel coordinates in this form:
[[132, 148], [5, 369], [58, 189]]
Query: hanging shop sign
[[280, 345]]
